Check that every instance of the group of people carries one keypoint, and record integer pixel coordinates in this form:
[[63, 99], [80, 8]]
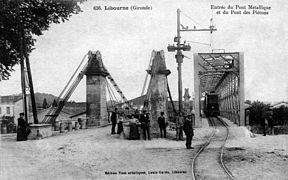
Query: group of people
[[136, 119], [183, 123]]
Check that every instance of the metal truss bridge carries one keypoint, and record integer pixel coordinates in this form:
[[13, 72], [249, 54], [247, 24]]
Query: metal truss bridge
[[221, 74]]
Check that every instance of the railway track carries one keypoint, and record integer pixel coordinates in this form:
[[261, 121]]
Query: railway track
[[208, 161]]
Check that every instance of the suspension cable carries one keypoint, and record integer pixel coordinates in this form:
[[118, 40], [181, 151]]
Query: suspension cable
[[73, 75], [199, 43], [110, 96], [52, 110], [112, 93]]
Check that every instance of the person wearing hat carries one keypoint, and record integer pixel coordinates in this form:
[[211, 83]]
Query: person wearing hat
[[269, 120], [114, 121], [145, 123], [162, 124], [188, 130], [179, 126], [22, 131], [266, 117]]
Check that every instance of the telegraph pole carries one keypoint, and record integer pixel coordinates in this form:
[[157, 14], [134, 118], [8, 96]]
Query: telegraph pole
[[34, 109], [22, 63], [23, 85], [179, 56], [24, 58], [179, 59]]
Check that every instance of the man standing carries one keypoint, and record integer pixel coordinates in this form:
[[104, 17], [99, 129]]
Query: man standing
[[22, 132], [114, 121], [162, 124], [179, 126], [264, 123], [269, 117], [145, 123], [188, 129]]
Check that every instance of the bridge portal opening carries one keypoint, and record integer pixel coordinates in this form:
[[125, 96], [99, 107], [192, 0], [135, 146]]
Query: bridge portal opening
[[219, 86]]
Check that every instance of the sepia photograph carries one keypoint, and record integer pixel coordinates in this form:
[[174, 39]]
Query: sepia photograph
[[142, 89]]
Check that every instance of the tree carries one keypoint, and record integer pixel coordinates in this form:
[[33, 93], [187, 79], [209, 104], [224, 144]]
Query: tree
[[257, 112], [45, 104], [280, 115], [248, 102], [54, 104], [20, 20]]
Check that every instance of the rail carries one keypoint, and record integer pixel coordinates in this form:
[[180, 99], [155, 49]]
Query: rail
[[202, 148], [222, 150]]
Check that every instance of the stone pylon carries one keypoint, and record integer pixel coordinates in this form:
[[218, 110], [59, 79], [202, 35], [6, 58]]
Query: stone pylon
[[96, 107], [157, 91]]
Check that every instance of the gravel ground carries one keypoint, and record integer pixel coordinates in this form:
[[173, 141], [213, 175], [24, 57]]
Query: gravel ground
[[254, 156], [260, 157], [95, 154]]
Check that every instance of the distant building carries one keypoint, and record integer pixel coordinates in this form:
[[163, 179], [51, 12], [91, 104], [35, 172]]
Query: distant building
[[11, 106], [279, 104], [247, 106]]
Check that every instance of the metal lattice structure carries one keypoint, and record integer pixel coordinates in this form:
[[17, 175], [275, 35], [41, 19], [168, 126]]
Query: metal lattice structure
[[223, 74], [91, 67]]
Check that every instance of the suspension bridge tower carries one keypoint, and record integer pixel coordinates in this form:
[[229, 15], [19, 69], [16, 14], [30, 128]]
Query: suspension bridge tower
[[96, 107], [157, 90]]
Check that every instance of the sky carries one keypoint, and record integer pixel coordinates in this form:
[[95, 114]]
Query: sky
[[127, 38]]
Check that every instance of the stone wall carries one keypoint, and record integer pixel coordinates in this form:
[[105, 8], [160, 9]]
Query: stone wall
[[39, 131]]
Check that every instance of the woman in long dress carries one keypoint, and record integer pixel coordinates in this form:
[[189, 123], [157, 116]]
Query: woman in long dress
[[120, 124], [22, 133], [134, 132]]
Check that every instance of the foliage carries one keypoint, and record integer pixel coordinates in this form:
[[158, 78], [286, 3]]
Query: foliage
[[54, 104], [280, 115], [45, 104], [20, 20], [7, 119], [257, 112]]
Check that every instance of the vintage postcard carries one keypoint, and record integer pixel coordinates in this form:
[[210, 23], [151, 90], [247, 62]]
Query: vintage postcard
[[142, 89]]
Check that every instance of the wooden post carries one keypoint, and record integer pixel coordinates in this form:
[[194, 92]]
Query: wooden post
[[34, 109]]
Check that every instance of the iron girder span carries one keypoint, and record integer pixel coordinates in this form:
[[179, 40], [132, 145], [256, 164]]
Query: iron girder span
[[221, 74]]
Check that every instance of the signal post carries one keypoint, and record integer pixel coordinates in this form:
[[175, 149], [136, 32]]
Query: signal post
[[179, 56]]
